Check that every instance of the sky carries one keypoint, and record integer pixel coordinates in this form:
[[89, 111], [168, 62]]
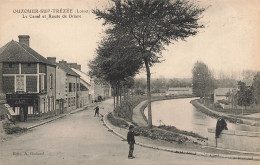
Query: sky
[[230, 41]]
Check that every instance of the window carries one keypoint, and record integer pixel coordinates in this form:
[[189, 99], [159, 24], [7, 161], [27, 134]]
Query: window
[[30, 109], [70, 87], [51, 81], [10, 65], [20, 83]]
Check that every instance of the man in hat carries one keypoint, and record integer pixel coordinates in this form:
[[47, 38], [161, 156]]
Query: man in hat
[[131, 141], [221, 125]]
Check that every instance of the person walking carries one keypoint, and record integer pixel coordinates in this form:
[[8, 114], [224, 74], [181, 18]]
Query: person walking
[[96, 111], [131, 141]]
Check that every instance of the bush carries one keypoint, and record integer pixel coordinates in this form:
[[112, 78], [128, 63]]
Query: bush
[[156, 133], [217, 105], [116, 122], [10, 129], [175, 130]]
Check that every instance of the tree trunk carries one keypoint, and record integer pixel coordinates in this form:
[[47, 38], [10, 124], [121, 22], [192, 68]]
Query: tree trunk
[[120, 95], [117, 99], [114, 94], [148, 94]]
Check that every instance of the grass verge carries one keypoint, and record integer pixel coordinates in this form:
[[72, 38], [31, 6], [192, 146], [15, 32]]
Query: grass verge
[[212, 114], [117, 122]]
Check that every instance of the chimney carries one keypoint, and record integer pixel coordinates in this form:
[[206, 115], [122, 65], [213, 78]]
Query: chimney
[[24, 39], [63, 62], [52, 59]]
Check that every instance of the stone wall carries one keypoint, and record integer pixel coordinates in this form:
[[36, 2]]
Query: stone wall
[[235, 140]]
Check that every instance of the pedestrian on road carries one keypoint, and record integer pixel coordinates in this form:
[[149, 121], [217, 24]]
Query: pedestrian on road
[[96, 111], [221, 125], [131, 141]]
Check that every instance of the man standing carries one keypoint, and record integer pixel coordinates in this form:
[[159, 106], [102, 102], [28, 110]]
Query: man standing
[[221, 125], [96, 111], [131, 141]]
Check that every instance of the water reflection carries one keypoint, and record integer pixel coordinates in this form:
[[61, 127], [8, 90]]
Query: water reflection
[[183, 115]]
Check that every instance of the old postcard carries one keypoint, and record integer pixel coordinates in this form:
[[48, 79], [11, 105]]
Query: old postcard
[[129, 82]]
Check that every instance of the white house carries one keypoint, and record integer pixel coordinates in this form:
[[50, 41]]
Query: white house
[[221, 93], [85, 88]]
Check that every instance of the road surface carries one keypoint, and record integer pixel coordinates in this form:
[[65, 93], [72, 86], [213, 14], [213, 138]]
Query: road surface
[[81, 138]]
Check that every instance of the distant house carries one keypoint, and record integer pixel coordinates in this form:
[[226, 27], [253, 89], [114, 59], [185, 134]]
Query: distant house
[[28, 80], [223, 94], [99, 90], [85, 87], [178, 91]]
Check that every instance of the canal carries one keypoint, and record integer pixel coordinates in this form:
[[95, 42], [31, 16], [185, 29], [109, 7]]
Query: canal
[[183, 115]]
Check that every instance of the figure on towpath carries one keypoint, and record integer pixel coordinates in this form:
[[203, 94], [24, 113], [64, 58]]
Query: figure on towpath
[[131, 141], [221, 125]]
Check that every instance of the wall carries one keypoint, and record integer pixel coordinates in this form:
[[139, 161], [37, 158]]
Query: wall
[[84, 98], [13, 68], [8, 84], [29, 68], [42, 68], [51, 92], [31, 84], [71, 95], [60, 83], [235, 140]]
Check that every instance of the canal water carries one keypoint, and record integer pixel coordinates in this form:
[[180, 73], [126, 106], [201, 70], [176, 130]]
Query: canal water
[[184, 116]]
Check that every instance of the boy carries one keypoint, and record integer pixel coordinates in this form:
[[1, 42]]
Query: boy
[[131, 141]]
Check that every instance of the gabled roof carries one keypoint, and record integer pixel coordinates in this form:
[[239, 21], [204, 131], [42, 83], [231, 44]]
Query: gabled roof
[[16, 52], [83, 75], [67, 69]]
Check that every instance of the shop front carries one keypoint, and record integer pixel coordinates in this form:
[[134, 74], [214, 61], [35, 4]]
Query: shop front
[[25, 106]]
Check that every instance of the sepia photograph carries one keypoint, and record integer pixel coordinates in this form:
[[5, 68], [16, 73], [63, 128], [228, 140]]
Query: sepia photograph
[[132, 82]]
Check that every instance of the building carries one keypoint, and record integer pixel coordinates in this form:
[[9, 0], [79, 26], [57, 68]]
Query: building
[[223, 94], [99, 90], [68, 87], [96, 90], [178, 91], [28, 80], [86, 97]]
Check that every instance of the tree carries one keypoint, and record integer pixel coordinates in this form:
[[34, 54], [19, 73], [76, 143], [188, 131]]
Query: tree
[[256, 86], [115, 63], [245, 94], [151, 24], [202, 79]]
